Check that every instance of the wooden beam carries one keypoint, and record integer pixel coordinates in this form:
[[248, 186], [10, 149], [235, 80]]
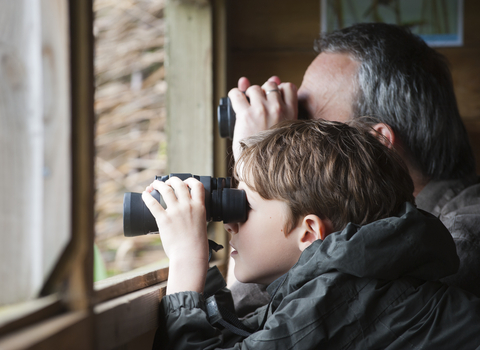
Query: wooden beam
[[57, 128], [190, 89], [220, 149], [68, 331], [129, 282], [122, 319], [25, 314], [21, 151], [137, 279], [75, 267]]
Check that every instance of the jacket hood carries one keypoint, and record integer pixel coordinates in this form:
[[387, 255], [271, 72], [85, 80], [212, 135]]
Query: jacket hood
[[414, 244]]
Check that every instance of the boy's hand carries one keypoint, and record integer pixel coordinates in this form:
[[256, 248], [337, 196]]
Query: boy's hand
[[183, 231], [269, 104]]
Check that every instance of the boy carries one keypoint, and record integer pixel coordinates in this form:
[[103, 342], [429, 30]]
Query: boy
[[334, 233]]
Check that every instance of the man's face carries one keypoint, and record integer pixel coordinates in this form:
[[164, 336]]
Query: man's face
[[328, 87], [261, 251]]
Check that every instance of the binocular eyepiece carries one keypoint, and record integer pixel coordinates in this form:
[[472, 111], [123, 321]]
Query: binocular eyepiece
[[222, 203]]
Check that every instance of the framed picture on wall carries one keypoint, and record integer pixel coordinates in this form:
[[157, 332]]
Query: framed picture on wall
[[438, 22]]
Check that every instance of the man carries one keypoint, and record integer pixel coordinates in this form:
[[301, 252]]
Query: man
[[405, 89]]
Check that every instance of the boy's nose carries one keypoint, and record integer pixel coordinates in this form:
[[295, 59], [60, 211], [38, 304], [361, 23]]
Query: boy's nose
[[231, 227]]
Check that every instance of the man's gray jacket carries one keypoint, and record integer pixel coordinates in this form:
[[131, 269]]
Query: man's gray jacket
[[457, 204], [368, 287]]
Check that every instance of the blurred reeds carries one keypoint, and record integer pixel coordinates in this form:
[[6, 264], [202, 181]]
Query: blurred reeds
[[130, 112]]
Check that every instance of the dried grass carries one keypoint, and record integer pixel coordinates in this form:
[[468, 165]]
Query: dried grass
[[130, 117]]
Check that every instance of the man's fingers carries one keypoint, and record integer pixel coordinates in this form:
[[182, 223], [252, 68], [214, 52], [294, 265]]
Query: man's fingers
[[275, 79], [289, 92], [255, 94], [243, 84], [238, 99], [272, 92]]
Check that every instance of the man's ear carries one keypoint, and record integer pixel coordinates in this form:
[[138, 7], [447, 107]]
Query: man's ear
[[385, 134], [312, 228]]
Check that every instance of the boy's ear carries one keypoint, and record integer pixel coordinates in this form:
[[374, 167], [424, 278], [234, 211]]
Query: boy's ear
[[313, 228], [385, 134]]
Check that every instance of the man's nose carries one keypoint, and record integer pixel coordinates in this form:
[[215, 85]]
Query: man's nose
[[231, 227]]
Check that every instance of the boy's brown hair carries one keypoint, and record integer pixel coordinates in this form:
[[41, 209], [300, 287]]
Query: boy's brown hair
[[334, 170]]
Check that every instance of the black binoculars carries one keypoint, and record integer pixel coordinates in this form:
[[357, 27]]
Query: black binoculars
[[227, 117], [222, 203]]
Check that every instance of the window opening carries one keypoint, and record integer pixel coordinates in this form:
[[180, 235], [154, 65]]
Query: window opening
[[130, 139]]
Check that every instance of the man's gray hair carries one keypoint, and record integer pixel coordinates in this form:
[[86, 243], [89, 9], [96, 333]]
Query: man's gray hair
[[407, 85]]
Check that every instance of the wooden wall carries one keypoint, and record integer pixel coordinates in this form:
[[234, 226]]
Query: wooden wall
[[276, 37], [271, 37], [34, 144], [465, 66]]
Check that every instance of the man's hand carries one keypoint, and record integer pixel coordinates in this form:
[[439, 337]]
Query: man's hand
[[183, 231], [269, 104]]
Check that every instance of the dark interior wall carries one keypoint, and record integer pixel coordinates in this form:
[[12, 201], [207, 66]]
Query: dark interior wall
[[465, 66], [271, 37], [276, 37]]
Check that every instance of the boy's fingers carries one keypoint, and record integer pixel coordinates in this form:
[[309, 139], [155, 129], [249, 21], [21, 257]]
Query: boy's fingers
[[151, 203], [180, 188], [197, 190], [165, 191]]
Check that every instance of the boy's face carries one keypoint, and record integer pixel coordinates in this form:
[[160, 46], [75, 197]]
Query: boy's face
[[261, 250]]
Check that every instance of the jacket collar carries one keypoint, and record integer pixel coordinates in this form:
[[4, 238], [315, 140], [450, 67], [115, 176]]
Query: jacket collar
[[413, 244], [436, 194]]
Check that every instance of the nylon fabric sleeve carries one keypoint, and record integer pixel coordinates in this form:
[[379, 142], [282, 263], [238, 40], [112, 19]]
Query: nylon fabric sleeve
[[188, 327]]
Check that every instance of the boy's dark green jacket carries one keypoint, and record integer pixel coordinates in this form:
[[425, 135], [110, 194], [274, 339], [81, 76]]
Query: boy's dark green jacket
[[368, 287]]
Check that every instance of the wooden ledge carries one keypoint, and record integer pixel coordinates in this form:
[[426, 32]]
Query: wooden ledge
[[129, 282], [16, 316], [70, 331], [127, 317], [137, 279]]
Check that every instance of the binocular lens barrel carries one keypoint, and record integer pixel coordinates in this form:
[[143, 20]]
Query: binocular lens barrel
[[227, 117], [137, 219], [222, 203]]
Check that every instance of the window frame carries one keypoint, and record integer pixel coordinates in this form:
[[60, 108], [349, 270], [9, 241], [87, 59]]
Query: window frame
[[72, 310]]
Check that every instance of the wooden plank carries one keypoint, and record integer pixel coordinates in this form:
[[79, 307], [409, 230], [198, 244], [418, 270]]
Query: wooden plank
[[142, 342], [220, 149], [473, 129], [471, 25], [190, 90], [259, 66], [21, 151], [465, 67], [120, 320], [129, 282], [68, 331], [56, 123], [25, 314], [76, 263], [273, 24], [220, 86], [137, 279]]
